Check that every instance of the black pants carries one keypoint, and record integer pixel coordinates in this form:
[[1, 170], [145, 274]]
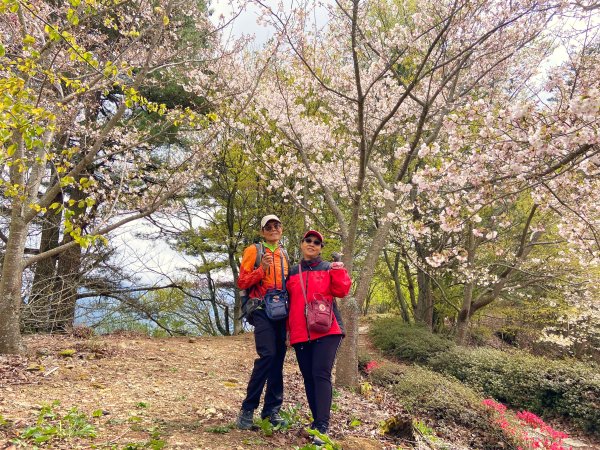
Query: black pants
[[316, 359], [269, 337]]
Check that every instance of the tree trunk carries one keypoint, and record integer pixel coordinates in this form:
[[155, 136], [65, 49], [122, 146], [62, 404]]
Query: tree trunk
[[410, 282], [68, 280], [424, 311], [237, 305], [68, 276], [465, 312], [347, 374], [347, 361], [223, 328], [462, 324], [231, 250], [36, 317], [10, 285], [395, 273]]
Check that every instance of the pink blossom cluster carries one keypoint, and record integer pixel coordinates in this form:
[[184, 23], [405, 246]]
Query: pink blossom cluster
[[515, 425], [536, 422], [493, 404]]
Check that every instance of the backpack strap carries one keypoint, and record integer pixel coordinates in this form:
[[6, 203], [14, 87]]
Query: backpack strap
[[282, 271], [260, 251], [287, 258]]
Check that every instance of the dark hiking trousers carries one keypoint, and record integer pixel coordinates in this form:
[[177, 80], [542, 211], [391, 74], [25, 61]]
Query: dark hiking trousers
[[316, 359], [269, 337]]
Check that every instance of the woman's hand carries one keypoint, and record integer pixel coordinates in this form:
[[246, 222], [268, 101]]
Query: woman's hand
[[337, 265]]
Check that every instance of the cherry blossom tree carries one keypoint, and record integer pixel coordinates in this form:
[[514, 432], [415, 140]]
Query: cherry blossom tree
[[546, 149], [363, 108]]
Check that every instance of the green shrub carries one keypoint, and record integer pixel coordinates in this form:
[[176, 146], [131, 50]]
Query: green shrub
[[447, 401], [423, 391], [409, 342], [521, 380], [568, 389]]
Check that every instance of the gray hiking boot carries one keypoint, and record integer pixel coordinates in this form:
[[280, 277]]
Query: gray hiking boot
[[245, 419], [316, 440], [276, 419]]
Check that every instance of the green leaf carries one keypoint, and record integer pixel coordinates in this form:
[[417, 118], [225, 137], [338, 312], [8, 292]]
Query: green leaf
[[2, 50], [355, 423]]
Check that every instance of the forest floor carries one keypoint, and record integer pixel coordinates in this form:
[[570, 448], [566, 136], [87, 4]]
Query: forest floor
[[147, 393]]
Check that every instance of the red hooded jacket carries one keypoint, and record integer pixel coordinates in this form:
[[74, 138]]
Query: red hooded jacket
[[318, 278]]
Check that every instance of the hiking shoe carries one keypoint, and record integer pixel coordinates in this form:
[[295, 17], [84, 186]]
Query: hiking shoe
[[245, 419], [316, 440], [276, 419]]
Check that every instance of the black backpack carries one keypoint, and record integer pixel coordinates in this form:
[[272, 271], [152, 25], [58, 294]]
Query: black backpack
[[245, 293]]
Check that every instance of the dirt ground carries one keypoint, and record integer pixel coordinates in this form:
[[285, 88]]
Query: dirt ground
[[184, 393]]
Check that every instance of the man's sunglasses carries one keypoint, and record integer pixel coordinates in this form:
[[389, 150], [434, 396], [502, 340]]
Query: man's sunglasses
[[312, 241], [272, 226]]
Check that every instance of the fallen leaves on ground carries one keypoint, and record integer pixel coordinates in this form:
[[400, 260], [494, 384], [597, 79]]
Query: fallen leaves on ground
[[184, 393]]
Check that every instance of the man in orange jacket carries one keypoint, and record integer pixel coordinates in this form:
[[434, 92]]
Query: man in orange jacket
[[269, 335]]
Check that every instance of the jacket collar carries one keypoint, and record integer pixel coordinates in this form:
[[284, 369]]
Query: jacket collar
[[311, 264]]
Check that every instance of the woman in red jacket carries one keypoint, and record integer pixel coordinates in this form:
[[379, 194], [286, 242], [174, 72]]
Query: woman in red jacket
[[315, 279]]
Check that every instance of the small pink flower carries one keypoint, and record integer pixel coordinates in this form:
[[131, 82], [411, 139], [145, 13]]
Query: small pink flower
[[491, 403], [371, 365]]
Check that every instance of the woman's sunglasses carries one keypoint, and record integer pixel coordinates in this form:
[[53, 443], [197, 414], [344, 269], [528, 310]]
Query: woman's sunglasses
[[312, 241]]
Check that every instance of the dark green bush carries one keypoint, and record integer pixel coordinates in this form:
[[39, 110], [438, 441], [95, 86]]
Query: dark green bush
[[409, 342], [447, 401], [423, 391], [551, 388]]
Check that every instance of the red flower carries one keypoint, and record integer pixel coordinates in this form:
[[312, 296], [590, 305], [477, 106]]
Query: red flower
[[491, 403], [371, 365]]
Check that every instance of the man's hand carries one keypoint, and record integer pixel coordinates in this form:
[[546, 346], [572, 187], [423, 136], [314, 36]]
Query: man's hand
[[266, 261], [337, 265]]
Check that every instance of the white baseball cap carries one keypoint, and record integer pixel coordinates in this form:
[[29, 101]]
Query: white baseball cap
[[267, 219]]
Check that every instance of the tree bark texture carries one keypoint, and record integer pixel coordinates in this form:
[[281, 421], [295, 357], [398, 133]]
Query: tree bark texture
[[465, 312], [36, 315], [10, 286], [348, 375], [347, 361], [395, 273], [424, 311]]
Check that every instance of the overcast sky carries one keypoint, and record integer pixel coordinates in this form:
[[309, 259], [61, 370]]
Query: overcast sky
[[245, 23]]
